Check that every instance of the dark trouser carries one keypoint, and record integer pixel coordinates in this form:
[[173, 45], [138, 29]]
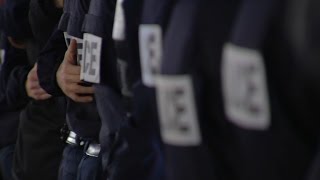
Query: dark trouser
[[314, 171], [131, 149], [6, 156], [76, 165], [39, 147]]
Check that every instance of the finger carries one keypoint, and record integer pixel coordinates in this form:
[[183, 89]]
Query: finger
[[81, 99], [34, 84], [73, 78], [39, 91], [41, 97], [44, 96], [78, 89], [73, 69]]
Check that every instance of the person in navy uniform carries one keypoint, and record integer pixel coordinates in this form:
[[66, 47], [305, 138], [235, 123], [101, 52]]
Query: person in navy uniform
[[13, 69], [126, 150], [129, 138], [182, 91], [81, 157], [98, 22], [38, 145], [10, 111], [9, 114]]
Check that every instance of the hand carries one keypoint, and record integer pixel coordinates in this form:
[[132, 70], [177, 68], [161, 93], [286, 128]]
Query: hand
[[68, 77], [58, 3], [33, 87]]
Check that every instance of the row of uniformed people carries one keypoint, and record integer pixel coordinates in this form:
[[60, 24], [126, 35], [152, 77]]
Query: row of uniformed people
[[228, 90], [129, 149]]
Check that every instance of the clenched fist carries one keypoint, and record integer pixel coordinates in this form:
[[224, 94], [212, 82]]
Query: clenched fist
[[33, 87], [68, 77]]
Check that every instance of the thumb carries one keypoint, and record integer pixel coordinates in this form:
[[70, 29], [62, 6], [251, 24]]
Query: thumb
[[72, 51], [33, 73]]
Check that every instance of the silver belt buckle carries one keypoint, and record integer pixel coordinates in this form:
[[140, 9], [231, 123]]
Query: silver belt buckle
[[93, 150], [72, 139]]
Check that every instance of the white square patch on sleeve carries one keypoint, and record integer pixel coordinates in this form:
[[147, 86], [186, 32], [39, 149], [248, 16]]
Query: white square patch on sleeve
[[244, 84], [177, 110], [90, 68], [150, 40]]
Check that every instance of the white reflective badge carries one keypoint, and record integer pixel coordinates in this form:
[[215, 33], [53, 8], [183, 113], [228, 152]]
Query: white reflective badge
[[90, 69], [67, 38], [244, 86], [178, 116], [119, 23], [150, 38]]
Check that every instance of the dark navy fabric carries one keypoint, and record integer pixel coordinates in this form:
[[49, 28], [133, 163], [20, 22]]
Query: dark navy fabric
[[43, 12], [99, 20], [313, 173], [77, 14], [38, 144], [131, 151], [49, 61], [157, 12], [303, 47], [259, 20], [76, 165], [64, 20], [71, 158], [301, 31], [83, 119], [12, 93], [6, 157], [90, 168], [16, 19], [13, 75]]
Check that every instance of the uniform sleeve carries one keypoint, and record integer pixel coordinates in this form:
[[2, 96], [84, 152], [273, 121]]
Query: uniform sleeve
[[43, 17], [16, 23], [99, 20], [49, 61], [13, 76]]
